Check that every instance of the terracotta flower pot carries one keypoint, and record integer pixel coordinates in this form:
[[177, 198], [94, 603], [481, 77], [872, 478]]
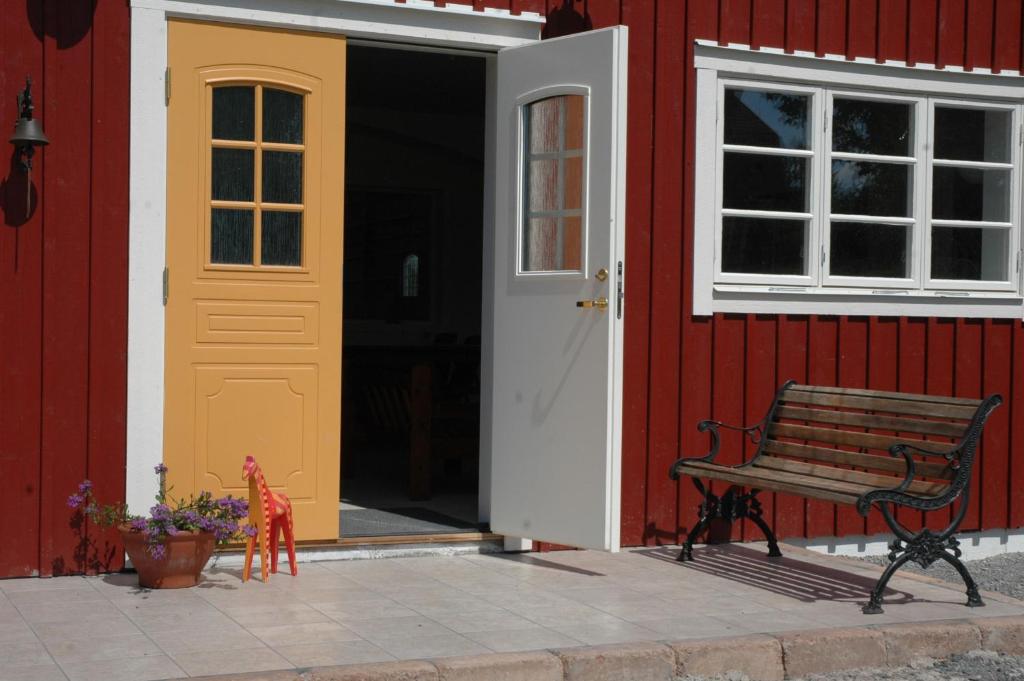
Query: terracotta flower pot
[[186, 556]]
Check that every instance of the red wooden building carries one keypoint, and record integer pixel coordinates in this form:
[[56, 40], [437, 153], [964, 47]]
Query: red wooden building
[[697, 340]]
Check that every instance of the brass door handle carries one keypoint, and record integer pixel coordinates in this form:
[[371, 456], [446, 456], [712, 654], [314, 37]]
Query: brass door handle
[[599, 303]]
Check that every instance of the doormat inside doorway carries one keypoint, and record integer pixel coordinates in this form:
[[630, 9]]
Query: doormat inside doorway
[[379, 522]]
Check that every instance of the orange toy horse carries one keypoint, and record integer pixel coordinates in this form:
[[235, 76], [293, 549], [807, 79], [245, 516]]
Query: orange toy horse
[[270, 513]]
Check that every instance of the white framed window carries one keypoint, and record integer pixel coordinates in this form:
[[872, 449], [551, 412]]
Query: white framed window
[[836, 187]]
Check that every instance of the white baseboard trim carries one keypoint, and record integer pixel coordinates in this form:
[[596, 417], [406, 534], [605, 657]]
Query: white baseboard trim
[[975, 545]]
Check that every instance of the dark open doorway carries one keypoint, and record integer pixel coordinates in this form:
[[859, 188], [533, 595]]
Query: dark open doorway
[[414, 174]]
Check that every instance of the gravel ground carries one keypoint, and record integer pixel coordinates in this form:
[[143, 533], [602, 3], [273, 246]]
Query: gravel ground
[[1003, 574]]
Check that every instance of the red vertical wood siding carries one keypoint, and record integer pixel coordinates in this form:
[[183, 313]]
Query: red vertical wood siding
[[680, 368], [63, 277]]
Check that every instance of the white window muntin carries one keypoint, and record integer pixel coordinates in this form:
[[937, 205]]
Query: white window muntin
[[917, 188], [1012, 281], [810, 217]]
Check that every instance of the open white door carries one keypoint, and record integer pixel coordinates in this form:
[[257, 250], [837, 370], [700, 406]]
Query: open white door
[[558, 289]]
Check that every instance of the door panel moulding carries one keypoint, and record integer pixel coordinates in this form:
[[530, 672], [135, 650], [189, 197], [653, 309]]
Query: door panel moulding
[[415, 23]]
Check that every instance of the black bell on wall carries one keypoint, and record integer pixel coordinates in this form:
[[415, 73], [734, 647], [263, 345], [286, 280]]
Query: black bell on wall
[[28, 134]]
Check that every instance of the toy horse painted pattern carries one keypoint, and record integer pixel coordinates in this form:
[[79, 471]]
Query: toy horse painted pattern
[[271, 513]]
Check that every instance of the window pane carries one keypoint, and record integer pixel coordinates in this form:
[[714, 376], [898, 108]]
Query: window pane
[[572, 244], [970, 194], [231, 236], [234, 113], [970, 253], [282, 176], [766, 119], [573, 122], [543, 185], [764, 246], [762, 182], [868, 250], [282, 116], [972, 134], [871, 127], [281, 238], [232, 175], [540, 245], [543, 124], [573, 189], [860, 188]]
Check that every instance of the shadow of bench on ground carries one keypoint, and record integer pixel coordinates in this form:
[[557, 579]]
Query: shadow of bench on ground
[[800, 580]]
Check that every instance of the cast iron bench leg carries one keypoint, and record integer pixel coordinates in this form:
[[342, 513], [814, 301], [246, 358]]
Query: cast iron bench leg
[[729, 507]]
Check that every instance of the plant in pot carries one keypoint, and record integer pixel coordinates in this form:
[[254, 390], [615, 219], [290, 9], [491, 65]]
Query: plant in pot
[[170, 547]]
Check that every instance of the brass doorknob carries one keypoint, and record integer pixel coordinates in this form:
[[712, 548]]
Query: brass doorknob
[[599, 303]]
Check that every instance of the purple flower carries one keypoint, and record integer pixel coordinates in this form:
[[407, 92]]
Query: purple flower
[[159, 468], [160, 512], [250, 530], [138, 525], [84, 487], [75, 500], [158, 551]]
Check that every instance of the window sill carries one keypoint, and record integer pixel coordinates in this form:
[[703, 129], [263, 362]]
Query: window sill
[[859, 302]]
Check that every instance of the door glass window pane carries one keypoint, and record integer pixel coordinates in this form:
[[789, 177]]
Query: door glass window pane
[[972, 134], [234, 113], [970, 253], [554, 169], [863, 188], [970, 194], [281, 238], [764, 246], [863, 126], [282, 176], [869, 250], [766, 119], [282, 116], [232, 175], [231, 236], [763, 182]]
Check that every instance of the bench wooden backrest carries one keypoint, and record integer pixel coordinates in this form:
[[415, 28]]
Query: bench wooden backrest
[[855, 428]]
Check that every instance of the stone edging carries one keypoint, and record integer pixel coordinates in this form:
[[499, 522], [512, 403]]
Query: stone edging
[[762, 657]]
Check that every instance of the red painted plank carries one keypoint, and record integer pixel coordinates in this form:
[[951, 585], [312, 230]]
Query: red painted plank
[[967, 381], [993, 468], [695, 402], [1006, 50], [892, 29], [727, 381], [922, 29], [792, 359], [862, 28], [563, 18], [884, 336], [831, 36], [852, 372], [822, 369], [913, 360], [768, 24], [666, 229], [604, 13], [20, 309], [108, 291], [980, 34], [66, 101], [940, 378], [734, 21], [1015, 408], [801, 19], [639, 16], [951, 33]]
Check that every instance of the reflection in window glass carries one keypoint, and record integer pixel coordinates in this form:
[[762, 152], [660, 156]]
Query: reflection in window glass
[[764, 246], [232, 175], [552, 230], [763, 182], [865, 188], [863, 126], [281, 235], [860, 249], [970, 253], [234, 113], [766, 119], [972, 134], [970, 194], [411, 276], [282, 177], [231, 236], [282, 116]]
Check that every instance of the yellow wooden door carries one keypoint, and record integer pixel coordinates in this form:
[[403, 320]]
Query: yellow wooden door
[[254, 238]]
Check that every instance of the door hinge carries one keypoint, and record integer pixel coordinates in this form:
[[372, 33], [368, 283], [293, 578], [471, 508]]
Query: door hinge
[[166, 283], [619, 294], [167, 86], [822, 256]]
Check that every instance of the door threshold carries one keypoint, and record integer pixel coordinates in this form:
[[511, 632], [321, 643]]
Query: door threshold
[[356, 548]]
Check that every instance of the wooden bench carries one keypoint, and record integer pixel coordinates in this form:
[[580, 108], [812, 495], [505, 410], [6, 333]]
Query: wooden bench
[[859, 447]]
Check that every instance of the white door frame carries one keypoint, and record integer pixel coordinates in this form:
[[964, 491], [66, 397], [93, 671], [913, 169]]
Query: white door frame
[[416, 22]]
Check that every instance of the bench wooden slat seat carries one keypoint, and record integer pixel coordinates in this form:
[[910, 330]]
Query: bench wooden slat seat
[[866, 448]]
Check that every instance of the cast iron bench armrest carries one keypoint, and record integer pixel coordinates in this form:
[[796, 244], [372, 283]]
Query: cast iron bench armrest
[[713, 426]]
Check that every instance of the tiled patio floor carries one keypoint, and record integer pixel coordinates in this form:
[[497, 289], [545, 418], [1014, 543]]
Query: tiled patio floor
[[340, 612]]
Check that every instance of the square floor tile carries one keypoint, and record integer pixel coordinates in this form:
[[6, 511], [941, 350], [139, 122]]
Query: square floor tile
[[519, 640], [338, 652], [130, 669], [211, 662]]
